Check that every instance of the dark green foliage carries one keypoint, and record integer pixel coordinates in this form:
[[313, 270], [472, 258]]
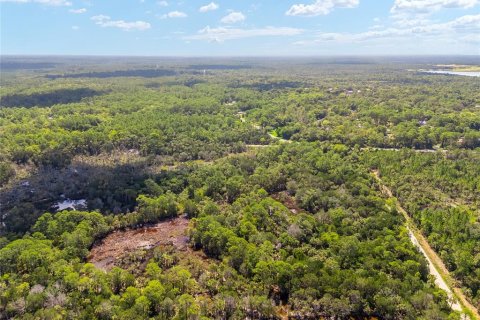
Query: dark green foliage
[[6, 173], [341, 258], [442, 193], [155, 209], [62, 96], [276, 226]]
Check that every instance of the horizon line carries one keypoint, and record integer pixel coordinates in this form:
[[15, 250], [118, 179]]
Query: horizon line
[[238, 56]]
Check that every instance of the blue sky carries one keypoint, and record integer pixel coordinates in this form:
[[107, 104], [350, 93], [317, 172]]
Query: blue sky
[[240, 28]]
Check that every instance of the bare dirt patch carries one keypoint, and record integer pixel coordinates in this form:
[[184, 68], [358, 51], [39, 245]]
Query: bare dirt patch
[[120, 243], [287, 200]]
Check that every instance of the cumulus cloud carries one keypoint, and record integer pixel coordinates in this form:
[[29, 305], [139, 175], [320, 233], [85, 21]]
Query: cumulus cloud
[[221, 34], [431, 5], [320, 7], [78, 11], [174, 14], [233, 17], [463, 27], [106, 21], [45, 2], [209, 7]]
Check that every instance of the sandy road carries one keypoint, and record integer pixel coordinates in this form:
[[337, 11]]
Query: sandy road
[[458, 301], [454, 304]]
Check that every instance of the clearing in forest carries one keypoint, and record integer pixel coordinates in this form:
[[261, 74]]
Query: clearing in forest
[[119, 243]]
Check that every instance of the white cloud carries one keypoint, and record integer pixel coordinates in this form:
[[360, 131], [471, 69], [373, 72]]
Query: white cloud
[[209, 7], [162, 3], [233, 17], [464, 27], [320, 7], [174, 14], [431, 5], [45, 2], [472, 38], [106, 21], [467, 22], [221, 34], [75, 28], [78, 11], [100, 17]]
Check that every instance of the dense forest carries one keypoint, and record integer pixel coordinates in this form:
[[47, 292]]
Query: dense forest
[[442, 191], [270, 162]]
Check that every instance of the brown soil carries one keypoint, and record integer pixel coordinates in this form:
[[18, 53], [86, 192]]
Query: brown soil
[[287, 200], [118, 244]]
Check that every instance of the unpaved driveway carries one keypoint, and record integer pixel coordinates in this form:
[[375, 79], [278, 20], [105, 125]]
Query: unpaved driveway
[[434, 262]]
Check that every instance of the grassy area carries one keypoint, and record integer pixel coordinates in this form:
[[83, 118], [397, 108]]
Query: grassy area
[[460, 67], [467, 69]]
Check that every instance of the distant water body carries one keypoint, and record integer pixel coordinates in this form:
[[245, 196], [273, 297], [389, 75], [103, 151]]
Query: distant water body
[[455, 73]]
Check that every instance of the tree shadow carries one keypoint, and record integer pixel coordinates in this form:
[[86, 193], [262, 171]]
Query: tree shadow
[[47, 99], [107, 183]]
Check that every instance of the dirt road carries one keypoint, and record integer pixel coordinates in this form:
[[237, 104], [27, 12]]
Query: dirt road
[[437, 268]]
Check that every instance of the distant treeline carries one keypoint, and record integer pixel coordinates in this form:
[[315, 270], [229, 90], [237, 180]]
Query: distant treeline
[[144, 73], [62, 96], [6, 66], [269, 85], [219, 67]]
